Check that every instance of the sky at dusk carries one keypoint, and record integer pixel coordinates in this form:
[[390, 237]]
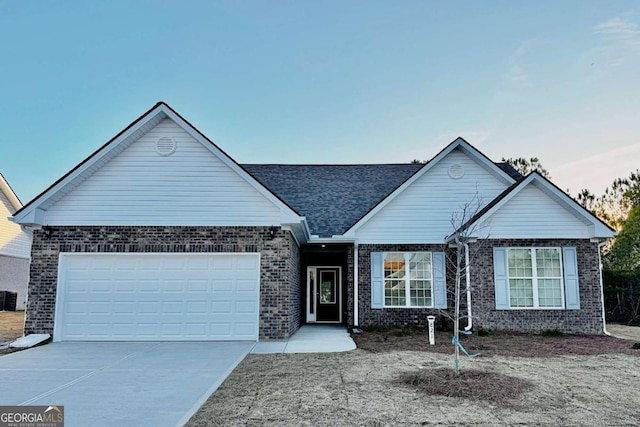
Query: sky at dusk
[[326, 81]]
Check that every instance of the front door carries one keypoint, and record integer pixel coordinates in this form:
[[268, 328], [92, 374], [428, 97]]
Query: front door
[[324, 290]]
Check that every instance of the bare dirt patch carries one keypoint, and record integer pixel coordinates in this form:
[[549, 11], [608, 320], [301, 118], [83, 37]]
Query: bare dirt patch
[[492, 387], [494, 343], [626, 332], [11, 327], [360, 388]]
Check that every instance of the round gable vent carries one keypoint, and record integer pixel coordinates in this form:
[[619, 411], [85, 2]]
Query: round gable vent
[[456, 171], [166, 146]]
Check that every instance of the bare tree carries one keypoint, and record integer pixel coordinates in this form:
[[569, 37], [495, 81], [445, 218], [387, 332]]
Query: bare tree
[[465, 232]]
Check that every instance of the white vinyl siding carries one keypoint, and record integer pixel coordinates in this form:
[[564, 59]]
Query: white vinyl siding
[[14, 242], [141, 187], [422, 212], [533, 213], [158, 297]]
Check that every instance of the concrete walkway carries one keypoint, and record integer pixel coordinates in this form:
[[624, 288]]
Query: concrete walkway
[[623, 331], [310, 339]]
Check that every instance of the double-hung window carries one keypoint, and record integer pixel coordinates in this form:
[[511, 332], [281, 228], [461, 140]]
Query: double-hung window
[[408, 279], [535, 278]]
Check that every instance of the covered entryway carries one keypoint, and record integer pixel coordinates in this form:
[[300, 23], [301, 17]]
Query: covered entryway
[[325, 283], [157, 297]]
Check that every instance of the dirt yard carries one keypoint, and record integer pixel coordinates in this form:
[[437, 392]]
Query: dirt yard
[[11, 325], [574, 381]]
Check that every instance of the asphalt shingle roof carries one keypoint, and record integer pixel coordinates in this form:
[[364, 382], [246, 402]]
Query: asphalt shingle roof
[[332, 197]]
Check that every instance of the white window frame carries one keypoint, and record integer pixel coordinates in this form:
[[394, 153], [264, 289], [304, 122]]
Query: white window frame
[[534, 279], [407, 280]]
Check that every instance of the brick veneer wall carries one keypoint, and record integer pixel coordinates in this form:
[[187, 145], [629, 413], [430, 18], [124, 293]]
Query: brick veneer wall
[[294, 285], [279, 264], [588, 319]]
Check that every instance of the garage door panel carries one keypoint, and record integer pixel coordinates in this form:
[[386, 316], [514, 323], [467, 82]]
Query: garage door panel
[[222, 307], [197, 307], [124, 286], [222, 285], [149, 285], [158, 297], [194, 285], [244, 285]]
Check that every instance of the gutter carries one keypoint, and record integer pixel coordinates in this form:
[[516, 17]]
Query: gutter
[[355, 285], [467, 268], [604, 322]]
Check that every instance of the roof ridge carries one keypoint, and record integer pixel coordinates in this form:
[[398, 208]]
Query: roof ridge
[[333, 164]]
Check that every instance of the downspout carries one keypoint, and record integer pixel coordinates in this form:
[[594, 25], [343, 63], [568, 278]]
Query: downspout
[[355, 284], [604, 322], [467, 268]]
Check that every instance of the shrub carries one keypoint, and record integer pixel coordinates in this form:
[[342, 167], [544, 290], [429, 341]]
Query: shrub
[[552, 333], [406, 331], [482, 332]]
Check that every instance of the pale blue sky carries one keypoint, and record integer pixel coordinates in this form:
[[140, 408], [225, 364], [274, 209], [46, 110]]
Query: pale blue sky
[[325, 81]]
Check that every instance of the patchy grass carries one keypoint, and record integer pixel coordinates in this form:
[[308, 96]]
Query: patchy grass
[[492, 387], [11, 327], [491, 343], [361, 388]]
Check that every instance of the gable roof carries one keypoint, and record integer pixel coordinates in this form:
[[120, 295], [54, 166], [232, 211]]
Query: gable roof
[[31, 213], [10, 194], [600, 229], [510, 170], [459, 143], [332, 197]]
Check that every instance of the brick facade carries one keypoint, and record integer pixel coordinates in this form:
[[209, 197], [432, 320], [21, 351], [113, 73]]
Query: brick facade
[[279, 264], [588, 319], [392, 316]]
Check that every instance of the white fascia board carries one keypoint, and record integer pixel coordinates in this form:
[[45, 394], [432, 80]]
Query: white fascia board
[[298, 232], [8, 192], [333, 239], [595, 226], [23, 217], [458, 142], [30, 217], [287, 215]]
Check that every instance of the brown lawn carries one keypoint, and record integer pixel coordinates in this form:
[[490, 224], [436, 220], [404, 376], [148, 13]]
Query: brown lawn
[[391, 379], [11, 326]]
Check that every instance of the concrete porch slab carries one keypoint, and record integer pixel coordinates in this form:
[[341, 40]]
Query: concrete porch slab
[[310, 339]]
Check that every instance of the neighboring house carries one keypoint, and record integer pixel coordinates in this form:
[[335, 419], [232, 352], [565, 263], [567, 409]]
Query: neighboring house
[[15, 247], [160, 235]]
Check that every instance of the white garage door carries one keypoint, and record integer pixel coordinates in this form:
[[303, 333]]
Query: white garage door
[[154, 297]]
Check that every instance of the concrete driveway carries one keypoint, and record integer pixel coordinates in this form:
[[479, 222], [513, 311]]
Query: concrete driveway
[[116, 383]]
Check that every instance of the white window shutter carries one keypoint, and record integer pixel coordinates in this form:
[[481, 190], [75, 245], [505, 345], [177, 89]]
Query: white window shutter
[[376, 280], [571, 288], [501, 279], [439, 280]]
